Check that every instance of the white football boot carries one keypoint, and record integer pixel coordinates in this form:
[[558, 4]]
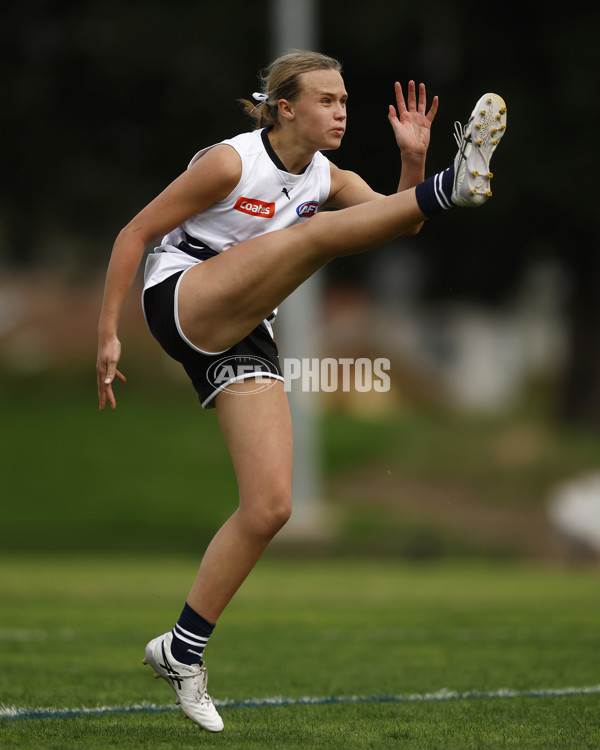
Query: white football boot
[[477, 141], [188, 683]]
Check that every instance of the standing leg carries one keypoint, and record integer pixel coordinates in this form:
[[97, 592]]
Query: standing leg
[[258, 432]]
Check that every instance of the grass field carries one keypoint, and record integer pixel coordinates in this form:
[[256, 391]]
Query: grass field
[[352, 646], [417, 484], [73, 630]]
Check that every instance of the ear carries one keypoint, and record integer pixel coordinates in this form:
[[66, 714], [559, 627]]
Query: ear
[[286, 109]]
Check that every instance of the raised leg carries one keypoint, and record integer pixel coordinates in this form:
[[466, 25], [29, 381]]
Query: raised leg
[[224, 298]]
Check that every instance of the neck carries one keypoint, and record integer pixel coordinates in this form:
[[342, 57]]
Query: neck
[[292, 154]]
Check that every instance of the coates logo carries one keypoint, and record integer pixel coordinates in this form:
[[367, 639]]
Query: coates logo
[[254, 207], [307, 209]]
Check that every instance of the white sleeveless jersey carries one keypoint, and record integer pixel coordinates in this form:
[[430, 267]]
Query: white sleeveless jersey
[[265, 199]]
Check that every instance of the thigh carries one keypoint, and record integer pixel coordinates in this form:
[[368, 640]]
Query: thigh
[[257, 428], [225, 297], [254, 355], [243, 284]]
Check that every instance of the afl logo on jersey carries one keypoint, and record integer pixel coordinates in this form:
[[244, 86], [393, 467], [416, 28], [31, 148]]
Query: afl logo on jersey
[[307, 209], [254, 207]]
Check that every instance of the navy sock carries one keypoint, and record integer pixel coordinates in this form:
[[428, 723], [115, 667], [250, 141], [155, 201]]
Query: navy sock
[[435, 193], [190, 636]]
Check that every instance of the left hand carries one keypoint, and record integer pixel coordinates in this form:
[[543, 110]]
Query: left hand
[[411, 124], [109, 352]]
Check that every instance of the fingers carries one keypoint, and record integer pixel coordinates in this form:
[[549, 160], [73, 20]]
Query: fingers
[[101, 397], [109, 353], [106, 378], [422, 98], [433, 109], [414, 102], [412, 97], [112, 372], [400, 103], [105, 394]]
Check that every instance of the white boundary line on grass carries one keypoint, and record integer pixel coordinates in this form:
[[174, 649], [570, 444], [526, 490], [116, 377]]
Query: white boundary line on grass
[[15, 713]]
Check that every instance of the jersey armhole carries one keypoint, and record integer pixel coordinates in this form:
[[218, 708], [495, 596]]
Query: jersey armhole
[[204, 151]]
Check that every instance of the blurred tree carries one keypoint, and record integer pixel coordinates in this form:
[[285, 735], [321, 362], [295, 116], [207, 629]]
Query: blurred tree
[[105, 102], [544, 62]]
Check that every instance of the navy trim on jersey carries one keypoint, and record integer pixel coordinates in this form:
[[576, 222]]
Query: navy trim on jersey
[[196, 248], [273, 156]]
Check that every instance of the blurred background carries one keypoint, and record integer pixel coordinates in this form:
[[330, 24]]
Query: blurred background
[[488, 442]]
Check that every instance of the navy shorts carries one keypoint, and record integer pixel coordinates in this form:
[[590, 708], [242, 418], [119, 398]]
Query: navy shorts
[[254, 356]]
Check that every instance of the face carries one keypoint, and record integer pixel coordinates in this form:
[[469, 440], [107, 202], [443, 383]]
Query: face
[[319, 112]]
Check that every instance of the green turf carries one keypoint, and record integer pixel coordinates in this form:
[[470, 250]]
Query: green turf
[[85, 480], [73, 628], [77, 480], [91, 508]]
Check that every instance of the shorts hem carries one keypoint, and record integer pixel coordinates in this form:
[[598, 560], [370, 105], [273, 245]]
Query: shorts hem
[[208, 402], [184, 338]]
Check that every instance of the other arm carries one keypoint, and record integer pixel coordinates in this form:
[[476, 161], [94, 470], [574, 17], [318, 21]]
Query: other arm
[[411, 125], [412, 129], [211, 179]]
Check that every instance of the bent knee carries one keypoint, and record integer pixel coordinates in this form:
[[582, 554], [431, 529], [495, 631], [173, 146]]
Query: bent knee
[[265, 518]]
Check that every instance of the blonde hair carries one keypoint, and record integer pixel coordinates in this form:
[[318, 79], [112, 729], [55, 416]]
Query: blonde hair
[[281, 80]]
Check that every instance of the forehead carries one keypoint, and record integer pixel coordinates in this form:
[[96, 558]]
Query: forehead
[[323, 81]]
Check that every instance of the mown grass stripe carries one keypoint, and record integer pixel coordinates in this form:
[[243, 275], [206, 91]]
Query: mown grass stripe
[[15, 713]]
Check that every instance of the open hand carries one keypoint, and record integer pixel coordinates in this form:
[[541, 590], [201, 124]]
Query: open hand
[[409, 119]]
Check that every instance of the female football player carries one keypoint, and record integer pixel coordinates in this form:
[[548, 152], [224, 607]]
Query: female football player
[[240, 231]]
